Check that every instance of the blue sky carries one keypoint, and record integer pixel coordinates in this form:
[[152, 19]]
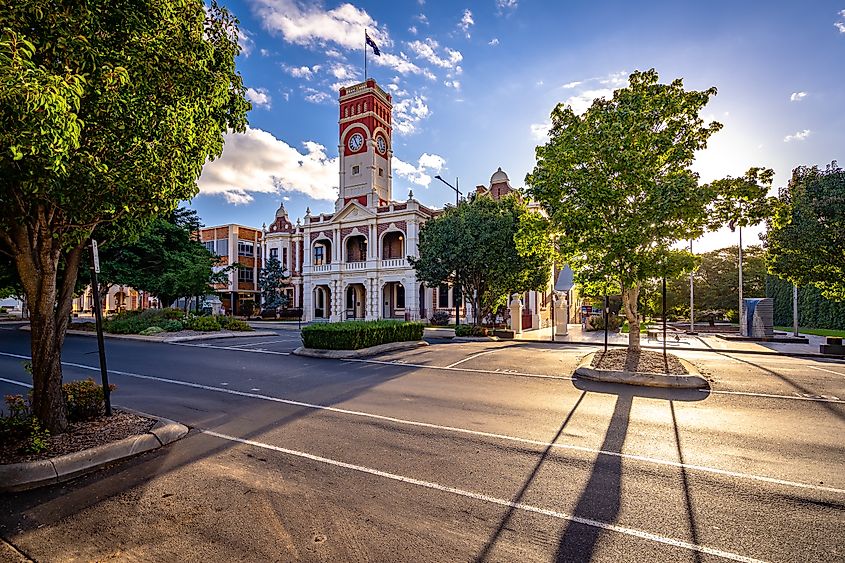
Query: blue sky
[[473, 84]]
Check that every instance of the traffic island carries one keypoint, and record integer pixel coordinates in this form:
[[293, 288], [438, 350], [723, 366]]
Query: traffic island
[[357, 339], [644, 367], [40, 472]]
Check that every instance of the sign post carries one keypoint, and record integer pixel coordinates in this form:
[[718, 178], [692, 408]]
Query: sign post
[[98, 316]]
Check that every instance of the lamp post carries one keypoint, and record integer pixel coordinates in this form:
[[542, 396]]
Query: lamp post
[[454, 289]]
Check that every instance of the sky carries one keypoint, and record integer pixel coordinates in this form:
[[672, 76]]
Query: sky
[[473, 84]]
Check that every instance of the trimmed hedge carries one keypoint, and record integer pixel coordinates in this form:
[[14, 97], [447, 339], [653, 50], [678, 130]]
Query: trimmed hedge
[[471, 330], [814, 311], [354, 335]]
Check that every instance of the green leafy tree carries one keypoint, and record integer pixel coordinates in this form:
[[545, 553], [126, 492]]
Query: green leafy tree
[[271, 279], [617, 184], [806, 236], [108, 111], [491, 248]]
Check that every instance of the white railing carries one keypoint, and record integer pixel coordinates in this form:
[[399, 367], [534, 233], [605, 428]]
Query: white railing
[[323, 268], [393, 263], [360, 265]]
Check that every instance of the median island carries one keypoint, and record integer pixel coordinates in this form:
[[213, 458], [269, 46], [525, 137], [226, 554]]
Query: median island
[[640, 367], [355, 339]]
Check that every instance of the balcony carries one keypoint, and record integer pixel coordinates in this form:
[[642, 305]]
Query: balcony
[[356, 265], [322, 268], [394, 263]]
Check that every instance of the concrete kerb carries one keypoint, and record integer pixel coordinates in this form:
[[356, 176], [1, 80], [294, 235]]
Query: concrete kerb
[[361, 353], [476, 339], [165, 339], [32, 474], [693, 380]]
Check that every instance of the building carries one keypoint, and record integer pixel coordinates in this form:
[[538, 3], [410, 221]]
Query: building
[[236, 244], [117, 299]]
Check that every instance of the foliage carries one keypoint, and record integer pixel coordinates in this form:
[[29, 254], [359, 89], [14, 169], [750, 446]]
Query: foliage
[[597, 323], [806, 236], [490, 248], [440, 318], [84, 399], [172, 326], [471, 330], [742, 202], [108, 111], [151, 331], [814, 310], [354, 335], [135, 322], [247, 308], [202, 324], [20, 426], [618, 185], [271, 279], [231, 323]]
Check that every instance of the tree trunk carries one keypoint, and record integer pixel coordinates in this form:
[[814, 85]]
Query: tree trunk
[[49, 295], [630, 296]]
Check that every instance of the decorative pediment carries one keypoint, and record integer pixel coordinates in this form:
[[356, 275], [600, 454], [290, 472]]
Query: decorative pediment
[[353, 211]]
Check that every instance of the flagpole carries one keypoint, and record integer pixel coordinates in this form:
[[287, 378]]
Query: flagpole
[[365, 54]]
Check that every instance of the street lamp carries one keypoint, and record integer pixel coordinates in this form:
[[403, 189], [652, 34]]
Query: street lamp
[[455, 289]]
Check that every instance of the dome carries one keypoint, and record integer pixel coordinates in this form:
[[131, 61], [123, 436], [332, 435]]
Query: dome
[[281, 211], [498, 177]]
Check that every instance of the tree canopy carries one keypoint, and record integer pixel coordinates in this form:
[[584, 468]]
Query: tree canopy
[[108, 111], [491, 248], [618, 187], [806, 236], [271, 279]]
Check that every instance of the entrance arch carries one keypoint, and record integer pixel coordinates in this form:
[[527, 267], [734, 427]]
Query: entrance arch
[[393, 300], [356, 301], [322, 302]]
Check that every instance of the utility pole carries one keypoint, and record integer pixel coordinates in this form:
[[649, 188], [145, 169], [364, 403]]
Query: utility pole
[[691, 298], [795, 310], [456, 288], [98, 316]]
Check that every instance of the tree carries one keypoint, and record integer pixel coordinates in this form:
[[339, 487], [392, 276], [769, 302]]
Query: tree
[[491, 248], [806, 236], [108, 111], [166, 261], [271, 280], [617, 184]]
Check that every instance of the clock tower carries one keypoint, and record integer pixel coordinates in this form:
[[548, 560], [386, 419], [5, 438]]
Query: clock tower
[[365, 148]]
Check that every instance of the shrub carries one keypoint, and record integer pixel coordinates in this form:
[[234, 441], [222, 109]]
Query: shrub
[[354, 335], [440, 318], [597, 323], [247, 308], [203, 324], [84, 399], [231, 323], [21, 426], [172, 326], [152, 330], [471, 330]]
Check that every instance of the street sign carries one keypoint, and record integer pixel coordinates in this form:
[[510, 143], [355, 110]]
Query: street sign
[[565, 280], [96, 255]]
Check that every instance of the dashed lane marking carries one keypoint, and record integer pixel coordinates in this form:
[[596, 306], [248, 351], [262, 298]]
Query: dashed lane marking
[[814, 398], [827, 370], [209, 346], [641, 534], [468, 358], [481, 433], [264, 343]]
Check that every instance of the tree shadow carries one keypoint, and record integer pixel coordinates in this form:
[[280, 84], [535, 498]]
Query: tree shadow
[[485, 551], [693, 528]]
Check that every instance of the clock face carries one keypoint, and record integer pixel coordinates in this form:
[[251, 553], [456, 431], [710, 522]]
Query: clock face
[[381, 144], [356, 141]]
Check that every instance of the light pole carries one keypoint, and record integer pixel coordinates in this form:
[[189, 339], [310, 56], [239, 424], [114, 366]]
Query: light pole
[[691, 298], [457, 287]]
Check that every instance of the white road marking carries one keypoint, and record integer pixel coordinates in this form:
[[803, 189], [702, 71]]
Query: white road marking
[[229, 348], [466, 370], [458, 430], [263, 343], [827, 370], [7, 328], [817, 399], [493, 500], [13, 382], [472, 357]]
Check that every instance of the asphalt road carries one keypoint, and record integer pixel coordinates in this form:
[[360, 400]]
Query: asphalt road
[[454, 452]]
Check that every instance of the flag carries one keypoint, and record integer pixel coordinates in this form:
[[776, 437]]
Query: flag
[[372, 44]]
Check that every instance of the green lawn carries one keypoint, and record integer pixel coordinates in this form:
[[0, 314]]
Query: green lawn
[[626, 329], [815, 331]]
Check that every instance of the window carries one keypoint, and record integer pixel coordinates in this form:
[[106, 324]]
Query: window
[[356, 170], [245, 275], [274, 253], [209, 245], [443, 296], [381, 171], [319, 255], [284, 258], [245, 248], [400, 296], [223, 247]]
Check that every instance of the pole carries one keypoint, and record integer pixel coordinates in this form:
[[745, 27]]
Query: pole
[[365, 55], [794, 309], [606, 307], [691, 299], [456, 289], [554, 303], [98, 316], [663, 312], [740, 275]]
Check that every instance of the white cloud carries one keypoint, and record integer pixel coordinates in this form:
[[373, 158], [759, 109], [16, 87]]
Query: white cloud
[[797, 96], [428, 50], [540, 131], [573, 84], [264, 53], [596, 87], [797, 136], [503, 5], [466, 23], [316, 96], [419, 174], [400, 63], [396, 90], [343, 72], [335, 53], [581, 102], [412, 30], [259, 98], [305, 72], [493, 42], [407, 114], [422, 18], [245, 42], [456, 84], [840, 25], [257, 162]]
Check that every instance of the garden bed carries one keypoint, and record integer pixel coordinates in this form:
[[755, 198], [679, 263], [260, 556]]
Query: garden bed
[[645, 361], [355, 335]]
